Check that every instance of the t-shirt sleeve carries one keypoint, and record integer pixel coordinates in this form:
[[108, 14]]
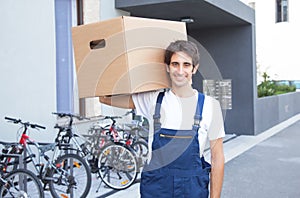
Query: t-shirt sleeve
[[144, 103], [216, 126]]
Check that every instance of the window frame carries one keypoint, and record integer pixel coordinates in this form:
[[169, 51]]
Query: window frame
[[282, 11]]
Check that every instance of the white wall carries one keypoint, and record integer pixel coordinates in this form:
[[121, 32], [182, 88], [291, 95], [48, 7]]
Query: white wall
[[277, 43], [108, 10], [91, 11], [27, 71]]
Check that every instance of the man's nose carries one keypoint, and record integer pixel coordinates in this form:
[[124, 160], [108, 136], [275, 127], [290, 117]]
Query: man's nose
[[180, 69]]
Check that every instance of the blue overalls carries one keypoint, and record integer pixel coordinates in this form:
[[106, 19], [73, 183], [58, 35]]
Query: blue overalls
[[176, 168]]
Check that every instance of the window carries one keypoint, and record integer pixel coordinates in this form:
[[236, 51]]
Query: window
[[281, 11]]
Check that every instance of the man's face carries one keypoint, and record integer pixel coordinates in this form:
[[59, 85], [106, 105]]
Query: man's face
[[181, 69]]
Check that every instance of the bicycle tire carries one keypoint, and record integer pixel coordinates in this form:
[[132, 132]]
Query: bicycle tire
[[22, 183], [118, 166], [74, 180], [141, 149]]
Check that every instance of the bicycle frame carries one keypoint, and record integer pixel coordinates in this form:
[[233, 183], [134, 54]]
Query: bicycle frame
[[42, 149]]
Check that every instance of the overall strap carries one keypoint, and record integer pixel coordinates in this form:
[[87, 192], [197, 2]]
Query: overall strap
[[156, 116], [198, 114]]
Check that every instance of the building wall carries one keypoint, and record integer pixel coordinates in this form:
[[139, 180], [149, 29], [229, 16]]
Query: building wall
[[27, 71], [108, 10], [91, 11], [231, 50], [275, 42]]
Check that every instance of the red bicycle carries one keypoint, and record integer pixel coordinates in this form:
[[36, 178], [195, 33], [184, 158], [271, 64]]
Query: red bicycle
[[67, 174]]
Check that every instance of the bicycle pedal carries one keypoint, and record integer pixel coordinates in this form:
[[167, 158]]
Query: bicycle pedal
[[46, 188], [94, 170]]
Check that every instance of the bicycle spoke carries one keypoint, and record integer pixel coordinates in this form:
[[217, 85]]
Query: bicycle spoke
[[118, 166], [74, 177]]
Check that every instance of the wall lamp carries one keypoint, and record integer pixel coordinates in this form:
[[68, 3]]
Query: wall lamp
[[187, 20]]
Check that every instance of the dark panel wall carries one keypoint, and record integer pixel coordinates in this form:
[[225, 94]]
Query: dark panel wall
[[231, 48]]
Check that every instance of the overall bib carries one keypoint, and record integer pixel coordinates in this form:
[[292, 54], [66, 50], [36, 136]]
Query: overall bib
[[176, 168]]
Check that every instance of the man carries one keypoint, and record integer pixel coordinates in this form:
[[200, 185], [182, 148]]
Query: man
[[180, 121]]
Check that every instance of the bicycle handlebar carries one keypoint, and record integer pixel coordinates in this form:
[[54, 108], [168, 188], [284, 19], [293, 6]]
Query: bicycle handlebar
[[129, 112], [16, 121], [37, 126], [113, 118], [26, 124], [70, 115]]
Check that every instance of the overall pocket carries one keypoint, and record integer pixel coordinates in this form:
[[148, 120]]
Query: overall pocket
[[177, 150]]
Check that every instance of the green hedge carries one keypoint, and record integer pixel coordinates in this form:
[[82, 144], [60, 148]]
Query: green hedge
[[270, 87]]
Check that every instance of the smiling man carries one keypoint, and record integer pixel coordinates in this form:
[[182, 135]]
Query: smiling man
[[181, 120]]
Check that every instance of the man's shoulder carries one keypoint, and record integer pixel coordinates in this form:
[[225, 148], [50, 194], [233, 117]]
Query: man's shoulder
[[210, 99], [148, 96]]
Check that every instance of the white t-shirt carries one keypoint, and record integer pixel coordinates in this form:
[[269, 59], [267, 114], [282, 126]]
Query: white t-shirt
[[178, 113]]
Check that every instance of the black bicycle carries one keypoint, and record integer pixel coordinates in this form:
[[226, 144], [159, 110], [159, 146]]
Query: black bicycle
[[109, 156], [18, 183]]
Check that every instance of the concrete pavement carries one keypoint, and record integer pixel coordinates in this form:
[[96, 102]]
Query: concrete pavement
[[262, 166]]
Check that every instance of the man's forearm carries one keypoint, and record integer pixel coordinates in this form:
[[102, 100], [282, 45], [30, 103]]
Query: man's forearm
[[216, 177]]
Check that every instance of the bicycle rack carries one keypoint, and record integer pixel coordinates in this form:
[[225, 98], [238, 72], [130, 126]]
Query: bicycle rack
[[22, 165]]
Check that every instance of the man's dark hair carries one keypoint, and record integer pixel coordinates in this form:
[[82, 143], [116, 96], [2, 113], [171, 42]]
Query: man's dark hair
[[187, 47]]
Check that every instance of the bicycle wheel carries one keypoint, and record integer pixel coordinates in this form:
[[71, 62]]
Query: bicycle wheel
[[71, 177], [118, 166], [21, 183], [141, 149]]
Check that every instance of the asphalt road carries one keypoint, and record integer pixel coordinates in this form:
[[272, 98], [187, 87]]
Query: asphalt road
[[269, 169]]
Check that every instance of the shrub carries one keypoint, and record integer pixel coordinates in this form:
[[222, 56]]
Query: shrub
[[269, 87]]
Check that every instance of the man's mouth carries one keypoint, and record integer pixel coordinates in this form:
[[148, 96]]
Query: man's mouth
[[179, 77]]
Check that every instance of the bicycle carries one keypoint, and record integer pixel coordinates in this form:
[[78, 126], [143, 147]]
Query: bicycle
[[121, 141], [18, 183], [113, 161], [77, 143], [133, 137], [66, 175]]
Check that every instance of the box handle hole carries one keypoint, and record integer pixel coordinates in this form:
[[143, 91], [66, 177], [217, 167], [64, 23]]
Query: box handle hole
[[97, 44]]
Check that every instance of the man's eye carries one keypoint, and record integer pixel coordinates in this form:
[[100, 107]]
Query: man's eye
[[187, 64], [174, 64]]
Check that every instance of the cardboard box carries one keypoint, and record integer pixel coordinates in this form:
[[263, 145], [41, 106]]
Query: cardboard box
[[123, 55]]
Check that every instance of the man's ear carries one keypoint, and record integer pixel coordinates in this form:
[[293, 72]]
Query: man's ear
[[167, 68], [195, 68]]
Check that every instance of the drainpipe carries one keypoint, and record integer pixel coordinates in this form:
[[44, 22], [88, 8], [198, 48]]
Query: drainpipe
[[64, 56]]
